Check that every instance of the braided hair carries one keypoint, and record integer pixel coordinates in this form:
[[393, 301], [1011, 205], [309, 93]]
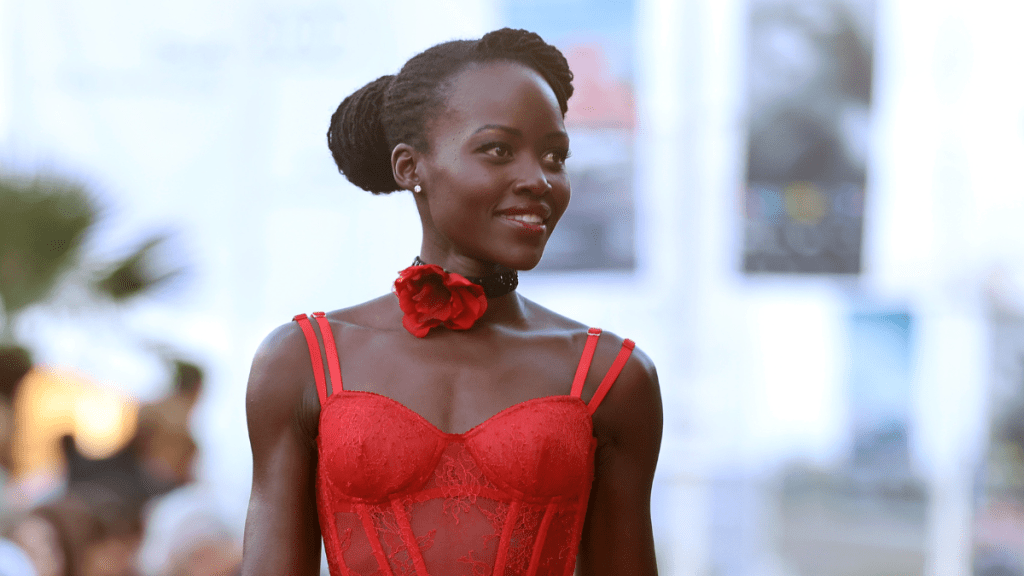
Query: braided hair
[[394, 109]]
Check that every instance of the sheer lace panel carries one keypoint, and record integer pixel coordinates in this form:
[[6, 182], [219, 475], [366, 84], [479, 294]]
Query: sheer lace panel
[[457, 521]]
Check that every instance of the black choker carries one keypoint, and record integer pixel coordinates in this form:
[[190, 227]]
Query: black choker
[[494, 285]]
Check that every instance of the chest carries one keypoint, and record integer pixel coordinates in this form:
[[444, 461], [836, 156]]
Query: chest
[[458, 383]]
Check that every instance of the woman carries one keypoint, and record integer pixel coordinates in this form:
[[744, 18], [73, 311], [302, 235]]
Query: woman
[[455, 427]]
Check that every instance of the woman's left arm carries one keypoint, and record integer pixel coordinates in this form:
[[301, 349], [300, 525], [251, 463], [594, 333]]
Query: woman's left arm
[[617, 535]]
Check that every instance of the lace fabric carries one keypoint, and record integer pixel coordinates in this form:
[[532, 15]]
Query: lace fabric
[[397, 496]]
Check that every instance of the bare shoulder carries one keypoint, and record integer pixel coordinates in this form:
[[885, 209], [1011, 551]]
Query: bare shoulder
[[277, 358], [639, 376], [632, 410], [379, 313], [636, 389], [281, 389], [545, 319], [632, 407], [638, 368], [639, 371]]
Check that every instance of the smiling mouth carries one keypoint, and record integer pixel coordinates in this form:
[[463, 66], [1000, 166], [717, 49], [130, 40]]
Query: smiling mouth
[[525, 218], [530, 224]]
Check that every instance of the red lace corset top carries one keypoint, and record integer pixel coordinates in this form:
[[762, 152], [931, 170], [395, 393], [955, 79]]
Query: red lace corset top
[[398, 496]]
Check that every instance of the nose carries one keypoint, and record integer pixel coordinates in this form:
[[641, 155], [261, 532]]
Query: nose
[[533, 180]]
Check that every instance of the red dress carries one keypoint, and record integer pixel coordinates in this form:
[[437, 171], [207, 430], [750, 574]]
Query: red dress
[[397, 496]]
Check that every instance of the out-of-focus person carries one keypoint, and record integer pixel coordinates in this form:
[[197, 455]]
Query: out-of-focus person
[[160, 455], [164, 441], [185, 536], [15, 363], [76, 536], [55, 536]]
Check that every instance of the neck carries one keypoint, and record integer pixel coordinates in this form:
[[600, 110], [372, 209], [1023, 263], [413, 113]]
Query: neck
[[495, 284], [504, 309], [451, 262]]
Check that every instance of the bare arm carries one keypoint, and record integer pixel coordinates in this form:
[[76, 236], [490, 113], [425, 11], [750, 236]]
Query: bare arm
[[617, 534], [282, 532]]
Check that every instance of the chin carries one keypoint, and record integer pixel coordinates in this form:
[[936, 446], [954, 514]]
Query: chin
[[523, 262]]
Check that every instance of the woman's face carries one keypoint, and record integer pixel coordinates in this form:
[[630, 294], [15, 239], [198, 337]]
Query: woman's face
[[494, 181]]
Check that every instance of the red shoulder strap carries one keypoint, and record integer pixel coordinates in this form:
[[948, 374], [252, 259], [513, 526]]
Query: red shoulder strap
[[613, 373], [331, 350], [588, 356], [314, 353], [314, 356]]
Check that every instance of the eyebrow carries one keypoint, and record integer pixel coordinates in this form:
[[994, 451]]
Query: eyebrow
[[515, 131]]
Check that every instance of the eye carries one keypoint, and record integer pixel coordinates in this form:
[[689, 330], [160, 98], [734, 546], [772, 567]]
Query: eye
[[497, 150], [557, 157]]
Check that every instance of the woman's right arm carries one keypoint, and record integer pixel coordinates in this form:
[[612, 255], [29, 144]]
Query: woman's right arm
[[282, 532]]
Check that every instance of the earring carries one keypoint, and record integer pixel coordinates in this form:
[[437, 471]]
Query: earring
[[417, 189]]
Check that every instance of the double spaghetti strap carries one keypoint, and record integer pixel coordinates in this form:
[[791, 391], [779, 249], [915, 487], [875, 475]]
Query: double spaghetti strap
[[331, 350], [314, 353], [609, 378], [613, 373]]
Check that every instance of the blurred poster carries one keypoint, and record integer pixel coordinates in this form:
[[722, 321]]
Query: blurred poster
[[597, 38], [999, 496], [868, 513], [809, 91], [880, 366]]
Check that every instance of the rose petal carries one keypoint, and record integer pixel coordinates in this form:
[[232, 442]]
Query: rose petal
[[430, 297], [417, 329]]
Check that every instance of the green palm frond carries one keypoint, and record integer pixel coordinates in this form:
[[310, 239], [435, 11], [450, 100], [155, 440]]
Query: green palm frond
[[135, 274], [43, 222]]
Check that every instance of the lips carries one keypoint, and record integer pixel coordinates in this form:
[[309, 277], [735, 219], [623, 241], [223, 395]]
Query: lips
[[536, 214], [530, 220]]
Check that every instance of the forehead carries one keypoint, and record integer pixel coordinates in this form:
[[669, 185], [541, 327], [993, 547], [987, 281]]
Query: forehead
[[500, 92]]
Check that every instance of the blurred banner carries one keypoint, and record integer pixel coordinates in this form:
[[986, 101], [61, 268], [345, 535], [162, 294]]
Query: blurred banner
[[809, 90], [597, 38]]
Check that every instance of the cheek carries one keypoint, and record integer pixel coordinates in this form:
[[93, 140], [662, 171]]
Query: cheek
[[461, 208], [560, 196], [466, 190]]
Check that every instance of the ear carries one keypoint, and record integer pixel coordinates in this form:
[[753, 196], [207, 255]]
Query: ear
[[404, 162]]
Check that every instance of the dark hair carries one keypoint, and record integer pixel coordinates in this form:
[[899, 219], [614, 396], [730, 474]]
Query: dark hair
[[393, 109]]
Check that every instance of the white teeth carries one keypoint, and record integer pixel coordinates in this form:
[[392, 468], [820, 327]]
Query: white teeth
[[528, 218]]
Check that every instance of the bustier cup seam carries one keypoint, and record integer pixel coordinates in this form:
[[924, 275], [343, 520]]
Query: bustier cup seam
[[416, 482], [497, 494], [517, 494], [454, 435]]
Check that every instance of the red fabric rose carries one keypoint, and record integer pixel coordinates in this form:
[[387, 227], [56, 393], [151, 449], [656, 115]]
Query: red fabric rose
[[431, 297]]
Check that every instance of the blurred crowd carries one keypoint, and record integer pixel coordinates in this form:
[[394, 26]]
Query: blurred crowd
[[136, 512]]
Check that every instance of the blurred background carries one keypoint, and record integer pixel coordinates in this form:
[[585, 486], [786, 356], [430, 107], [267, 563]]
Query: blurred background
[[807, 212]]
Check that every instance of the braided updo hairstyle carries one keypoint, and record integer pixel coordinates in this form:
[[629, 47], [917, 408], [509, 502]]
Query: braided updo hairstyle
[[397, 108]]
